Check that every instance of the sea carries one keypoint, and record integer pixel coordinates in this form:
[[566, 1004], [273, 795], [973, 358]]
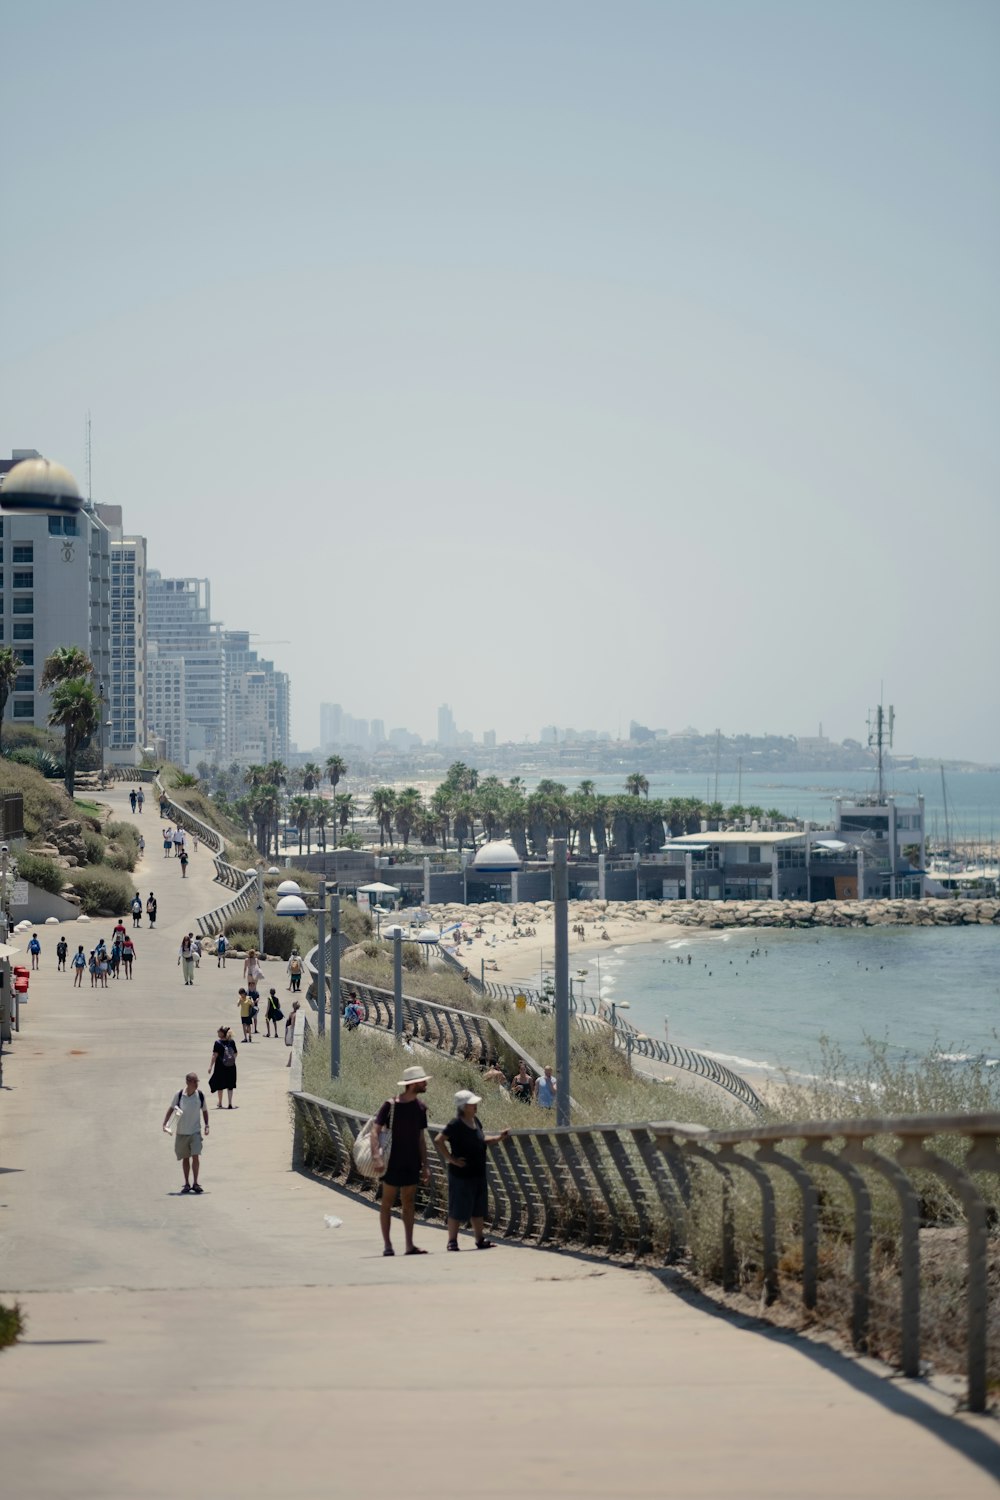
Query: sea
[[973, 797], [761, 999]]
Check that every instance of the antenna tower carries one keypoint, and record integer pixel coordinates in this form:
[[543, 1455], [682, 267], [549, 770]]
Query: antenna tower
[[880, 735], [89, 487]]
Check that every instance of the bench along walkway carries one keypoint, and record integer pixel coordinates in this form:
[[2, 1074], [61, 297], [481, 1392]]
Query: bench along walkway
[[234, 1342]]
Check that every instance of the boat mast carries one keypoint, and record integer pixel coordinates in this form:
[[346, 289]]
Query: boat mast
[[947, 829]]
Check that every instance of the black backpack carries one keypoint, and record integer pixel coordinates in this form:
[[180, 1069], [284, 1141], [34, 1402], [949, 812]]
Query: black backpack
[[201, 1099]]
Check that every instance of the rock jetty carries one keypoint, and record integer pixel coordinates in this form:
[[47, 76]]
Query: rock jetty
[[933, 913]]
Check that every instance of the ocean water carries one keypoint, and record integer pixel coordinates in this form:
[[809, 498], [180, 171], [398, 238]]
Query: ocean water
[[762, 999]]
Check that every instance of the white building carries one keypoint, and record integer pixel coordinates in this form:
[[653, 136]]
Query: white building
[[166, 705], [257, 704], [180, 624], [126, 690], [55, 590]]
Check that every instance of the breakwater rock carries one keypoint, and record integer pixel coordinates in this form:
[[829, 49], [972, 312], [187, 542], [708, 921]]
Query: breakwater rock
[[832, 913]]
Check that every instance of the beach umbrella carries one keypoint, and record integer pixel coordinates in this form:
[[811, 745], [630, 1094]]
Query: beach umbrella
[[377, 888]]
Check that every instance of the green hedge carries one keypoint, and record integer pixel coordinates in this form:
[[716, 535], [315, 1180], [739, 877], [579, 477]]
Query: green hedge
[[41, 872], [103, 891]]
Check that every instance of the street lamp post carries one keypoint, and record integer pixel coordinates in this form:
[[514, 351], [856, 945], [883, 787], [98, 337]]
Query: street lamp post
[[260, 908], [100, 694], [293, 905], [397, 983], [560, 912]]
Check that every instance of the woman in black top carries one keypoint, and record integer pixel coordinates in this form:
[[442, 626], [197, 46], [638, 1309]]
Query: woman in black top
[[223, 1065], [462, 1145]]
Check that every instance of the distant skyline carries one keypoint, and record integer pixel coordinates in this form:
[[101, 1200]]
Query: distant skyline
[[562, 364]]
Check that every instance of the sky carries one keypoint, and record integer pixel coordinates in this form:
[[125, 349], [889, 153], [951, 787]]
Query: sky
[[565, 362]]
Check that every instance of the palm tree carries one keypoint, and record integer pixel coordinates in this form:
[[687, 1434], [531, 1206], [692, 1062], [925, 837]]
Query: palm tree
[[300, 811], [408, 808], [311, 776], [383, 806], [322, 813], [336, 770], [63, 664], [265, 808], [442, 800], [10, 665], [345, 805], [76, 710], [637, 785]]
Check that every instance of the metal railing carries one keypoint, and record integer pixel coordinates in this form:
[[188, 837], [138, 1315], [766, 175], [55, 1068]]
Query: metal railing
[[214, 921], [750, 1201], [209, 836]]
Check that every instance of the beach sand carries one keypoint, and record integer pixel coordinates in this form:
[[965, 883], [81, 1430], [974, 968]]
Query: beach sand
[[517, 944]]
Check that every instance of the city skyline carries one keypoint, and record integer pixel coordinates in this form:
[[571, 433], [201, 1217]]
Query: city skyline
[[641, 368]]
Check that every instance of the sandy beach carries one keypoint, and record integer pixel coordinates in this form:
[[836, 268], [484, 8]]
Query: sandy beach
[[517, 942]]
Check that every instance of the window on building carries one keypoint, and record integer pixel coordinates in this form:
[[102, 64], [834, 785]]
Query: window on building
[[63, 526], [25, 579], [24, 605], [27, 655], [24, 708], [23, 632], [22, 552], [24, 682]]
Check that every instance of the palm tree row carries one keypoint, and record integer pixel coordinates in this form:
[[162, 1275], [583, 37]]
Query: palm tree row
[[465, 811]]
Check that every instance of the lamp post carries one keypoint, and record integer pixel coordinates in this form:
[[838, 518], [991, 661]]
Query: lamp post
[[293, 905], [260, 908], [560, 913], [100, 694]]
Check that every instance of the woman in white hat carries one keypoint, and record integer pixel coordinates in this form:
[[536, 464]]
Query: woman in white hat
[[405, 1117], [462, 1145]]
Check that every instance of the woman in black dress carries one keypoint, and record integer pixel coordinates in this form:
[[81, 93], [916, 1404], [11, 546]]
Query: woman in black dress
[[222, 1068]]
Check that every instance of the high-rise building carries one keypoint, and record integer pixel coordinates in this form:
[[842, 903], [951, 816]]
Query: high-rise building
[[378, 732], [126, 693], [331, 717], [55, 590], [179, 622], [489, 739], [447, 730], [256, 704], [166, 708]]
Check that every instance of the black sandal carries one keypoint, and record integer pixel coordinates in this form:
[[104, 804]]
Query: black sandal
[[388, 1250], [484, 1245], [453, 1244]]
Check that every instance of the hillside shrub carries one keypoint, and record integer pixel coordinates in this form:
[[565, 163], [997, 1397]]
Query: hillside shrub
[[103, 892], [42, 872], [11, 1324], [94, 845], [281, 935], [45, 802]]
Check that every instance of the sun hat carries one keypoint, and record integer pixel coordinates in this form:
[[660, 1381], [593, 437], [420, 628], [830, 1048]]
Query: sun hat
[[466, 1096], [413, 1075]]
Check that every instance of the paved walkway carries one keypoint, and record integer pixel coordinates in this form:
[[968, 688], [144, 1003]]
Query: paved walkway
[[235, 1344]]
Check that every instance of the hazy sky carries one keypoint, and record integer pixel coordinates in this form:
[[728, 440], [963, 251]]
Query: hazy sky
[[566, 362]]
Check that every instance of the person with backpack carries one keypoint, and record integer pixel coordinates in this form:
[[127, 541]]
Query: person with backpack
[[295, 972], [137, 910], [79, 964], [35, 949], [151, 911], [221, 946], [62, 950], [188, 1109], [223, 1066]]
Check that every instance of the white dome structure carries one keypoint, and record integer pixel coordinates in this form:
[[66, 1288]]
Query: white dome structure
[[38, 486], [498, 855], [291, 905], [289, 888]]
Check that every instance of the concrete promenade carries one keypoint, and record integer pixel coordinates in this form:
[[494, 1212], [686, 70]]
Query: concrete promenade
[[233, 1343]]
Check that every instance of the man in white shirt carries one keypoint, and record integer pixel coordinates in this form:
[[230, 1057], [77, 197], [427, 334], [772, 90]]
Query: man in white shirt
[[185, 1107], [179, 840], [545, 1089]]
